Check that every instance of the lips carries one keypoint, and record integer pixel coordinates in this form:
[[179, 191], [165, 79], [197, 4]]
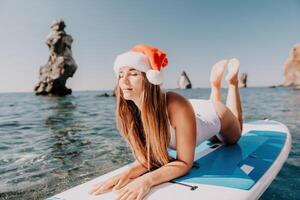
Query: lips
[[127, 89]]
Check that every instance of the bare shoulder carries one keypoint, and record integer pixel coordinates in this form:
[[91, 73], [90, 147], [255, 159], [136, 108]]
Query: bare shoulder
[[176, 100], [178, 107]]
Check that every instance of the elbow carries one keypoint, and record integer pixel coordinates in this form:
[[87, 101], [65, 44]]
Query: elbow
[[190, 165], [187, 167]]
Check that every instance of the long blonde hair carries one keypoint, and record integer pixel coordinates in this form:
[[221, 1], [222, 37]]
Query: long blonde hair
[[145, 130]]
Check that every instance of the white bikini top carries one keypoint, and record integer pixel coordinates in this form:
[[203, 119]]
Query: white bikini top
[[172, 143]]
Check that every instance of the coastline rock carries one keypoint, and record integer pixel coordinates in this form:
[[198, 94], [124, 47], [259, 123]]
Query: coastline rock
[[243, 80], [292, 68], [60, 66], [105, 94], [184, 81], [297, 87]]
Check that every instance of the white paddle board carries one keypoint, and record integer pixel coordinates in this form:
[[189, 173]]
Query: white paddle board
[[240, 171]]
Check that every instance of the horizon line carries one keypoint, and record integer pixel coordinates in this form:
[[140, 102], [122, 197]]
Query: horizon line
[[110, 90]]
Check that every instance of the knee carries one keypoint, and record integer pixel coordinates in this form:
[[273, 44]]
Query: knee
[[233, 139]]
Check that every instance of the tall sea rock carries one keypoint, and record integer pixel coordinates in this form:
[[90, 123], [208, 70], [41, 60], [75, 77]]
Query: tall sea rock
[[60, 66], [292, 68], [243, 80], [184, 81]]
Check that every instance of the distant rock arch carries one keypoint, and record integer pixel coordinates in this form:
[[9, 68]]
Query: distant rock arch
[[243, 80], [184, 81]]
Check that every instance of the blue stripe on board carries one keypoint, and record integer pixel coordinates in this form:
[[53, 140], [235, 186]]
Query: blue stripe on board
[[204, 145], [222, 167]]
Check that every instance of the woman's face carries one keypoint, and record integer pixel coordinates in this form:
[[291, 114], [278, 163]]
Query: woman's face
[[130, 82]]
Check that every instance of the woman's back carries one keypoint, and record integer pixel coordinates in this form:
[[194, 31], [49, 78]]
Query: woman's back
[[207, 121]]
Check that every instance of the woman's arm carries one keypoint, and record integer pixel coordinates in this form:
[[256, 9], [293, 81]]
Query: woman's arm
[[167, 172], [136, 170], [183, 117]]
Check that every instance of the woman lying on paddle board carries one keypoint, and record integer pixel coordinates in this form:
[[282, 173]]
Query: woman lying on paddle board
[[151, 121]]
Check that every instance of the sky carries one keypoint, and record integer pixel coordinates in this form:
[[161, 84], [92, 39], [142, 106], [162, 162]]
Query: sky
[[195, 35]]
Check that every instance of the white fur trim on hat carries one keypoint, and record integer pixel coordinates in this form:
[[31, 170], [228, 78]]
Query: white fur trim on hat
[[140, 62], [155, 77], [132, 59]]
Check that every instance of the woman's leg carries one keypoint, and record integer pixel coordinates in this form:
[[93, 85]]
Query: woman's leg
[[230, 125], [233, 101], [216, 75]]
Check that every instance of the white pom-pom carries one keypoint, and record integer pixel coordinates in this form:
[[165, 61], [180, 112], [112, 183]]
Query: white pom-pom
[[154, 76]]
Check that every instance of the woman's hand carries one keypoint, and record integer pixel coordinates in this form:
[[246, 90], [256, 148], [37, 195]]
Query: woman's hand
[[115, 182], [135, 190]]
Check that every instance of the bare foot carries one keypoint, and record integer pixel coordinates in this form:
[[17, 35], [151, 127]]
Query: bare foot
[[233, 70], [216, 73]]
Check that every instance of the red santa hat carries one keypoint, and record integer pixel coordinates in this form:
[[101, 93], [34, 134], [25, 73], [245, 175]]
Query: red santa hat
[[145, 58]]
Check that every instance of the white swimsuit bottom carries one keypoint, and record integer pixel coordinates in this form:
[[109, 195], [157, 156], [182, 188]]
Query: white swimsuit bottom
[[207, 122]]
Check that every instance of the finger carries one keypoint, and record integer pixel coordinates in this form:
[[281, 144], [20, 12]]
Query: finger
[[132, 196], [125, 196], [118, 185], [121, 184], [95, 187], [121, 192], [102, 189], [140, 196], [109, 184]]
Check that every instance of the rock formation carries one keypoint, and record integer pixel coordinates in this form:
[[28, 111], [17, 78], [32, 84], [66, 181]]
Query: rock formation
[[243, 80], [292, 68], [105, 94], [60, 66], [297, 87], [184, 81]]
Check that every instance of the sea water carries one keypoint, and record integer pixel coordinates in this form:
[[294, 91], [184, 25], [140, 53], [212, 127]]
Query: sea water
[[50, 144]]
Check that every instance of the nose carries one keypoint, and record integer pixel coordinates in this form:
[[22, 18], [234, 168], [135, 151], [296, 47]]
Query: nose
[[125, 79]]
